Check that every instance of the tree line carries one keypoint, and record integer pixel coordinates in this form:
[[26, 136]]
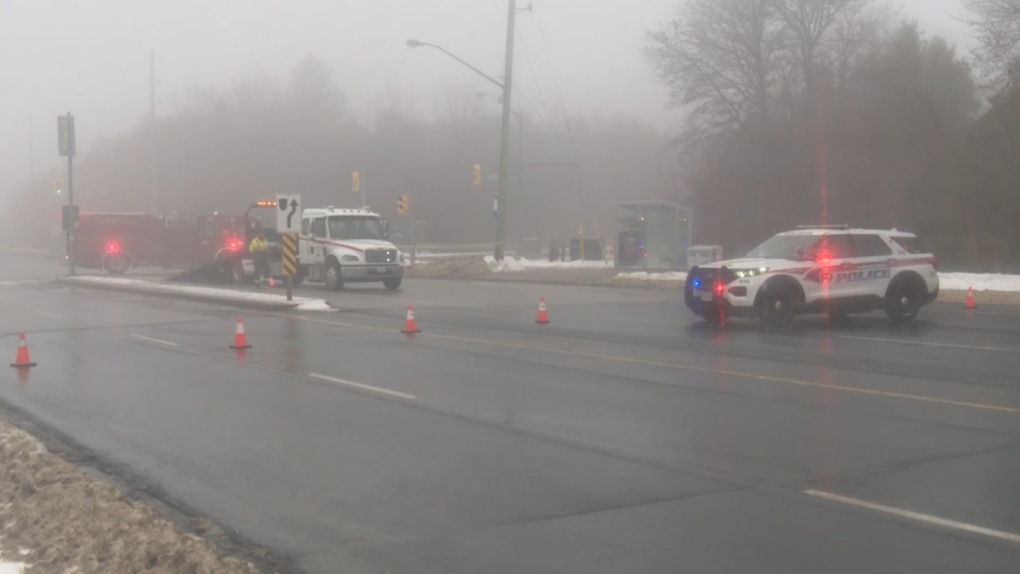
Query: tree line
[[837, 111], [222, 149]]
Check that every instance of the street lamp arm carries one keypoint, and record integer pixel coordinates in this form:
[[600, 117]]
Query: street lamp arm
[[416, 44]]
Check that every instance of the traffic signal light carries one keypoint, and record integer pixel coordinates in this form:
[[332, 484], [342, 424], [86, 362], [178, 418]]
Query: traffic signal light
[[356, 181], [478, 174], [58, 186], [404, 204]]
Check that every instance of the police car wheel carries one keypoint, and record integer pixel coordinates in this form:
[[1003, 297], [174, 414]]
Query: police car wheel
[[777, 306], [392, 284], [713, 315], [903, 302], [334, 278]]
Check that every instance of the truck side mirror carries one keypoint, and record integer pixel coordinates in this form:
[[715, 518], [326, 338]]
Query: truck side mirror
[[385, 227]]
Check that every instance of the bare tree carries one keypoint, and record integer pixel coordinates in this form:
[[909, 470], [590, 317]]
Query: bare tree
[[996, 24], [822, 36], [718, 60]]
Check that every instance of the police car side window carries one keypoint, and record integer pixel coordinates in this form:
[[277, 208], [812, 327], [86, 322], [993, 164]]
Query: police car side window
[[870, 246], [831, 246]]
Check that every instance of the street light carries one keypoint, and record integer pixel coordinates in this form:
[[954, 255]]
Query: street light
[[504, 136]]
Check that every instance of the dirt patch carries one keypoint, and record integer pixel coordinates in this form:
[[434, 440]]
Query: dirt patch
[[461, 267], [56, 518]]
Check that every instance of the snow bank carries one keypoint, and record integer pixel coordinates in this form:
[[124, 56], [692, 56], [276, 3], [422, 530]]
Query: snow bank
[[979, 281], [203, 293], [511, 264], [60, 519], [646, 276]]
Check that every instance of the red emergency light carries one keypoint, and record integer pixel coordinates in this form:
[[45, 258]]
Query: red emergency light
[[234, 244], [112, 247]]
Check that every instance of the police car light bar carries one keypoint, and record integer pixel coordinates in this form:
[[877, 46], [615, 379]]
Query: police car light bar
[[264, 203], [838, 226]]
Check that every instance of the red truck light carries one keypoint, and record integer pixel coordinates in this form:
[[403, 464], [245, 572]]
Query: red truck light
[[112, 247], [234, 244]]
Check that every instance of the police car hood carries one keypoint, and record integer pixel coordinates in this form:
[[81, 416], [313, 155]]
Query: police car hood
[[749, 263]]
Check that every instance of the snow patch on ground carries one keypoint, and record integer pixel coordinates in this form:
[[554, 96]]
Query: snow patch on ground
[[227, 295], [314, 305], [59, 519], [646, 276], [511, 264], [979, 281]]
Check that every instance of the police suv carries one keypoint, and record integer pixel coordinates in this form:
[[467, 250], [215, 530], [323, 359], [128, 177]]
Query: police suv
[[818, 269]]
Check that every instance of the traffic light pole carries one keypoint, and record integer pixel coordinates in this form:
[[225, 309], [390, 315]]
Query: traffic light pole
[[70, 215], [504, 145]]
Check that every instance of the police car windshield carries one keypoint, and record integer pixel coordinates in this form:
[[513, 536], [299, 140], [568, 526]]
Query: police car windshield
[[783, 247], [347, 227]]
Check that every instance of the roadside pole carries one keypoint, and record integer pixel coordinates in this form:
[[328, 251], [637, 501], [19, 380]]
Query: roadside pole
[[66, 147]]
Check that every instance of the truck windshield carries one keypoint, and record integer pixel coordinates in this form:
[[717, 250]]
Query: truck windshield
[[347, 227], [783, 247]]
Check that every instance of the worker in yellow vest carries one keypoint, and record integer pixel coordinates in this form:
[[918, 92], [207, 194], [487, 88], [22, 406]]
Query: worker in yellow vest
[[259, 250]]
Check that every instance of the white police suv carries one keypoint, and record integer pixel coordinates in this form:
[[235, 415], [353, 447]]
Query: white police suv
[[818, 269]]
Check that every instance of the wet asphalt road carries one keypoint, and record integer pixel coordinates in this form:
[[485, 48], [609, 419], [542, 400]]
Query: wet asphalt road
[[623, 437]]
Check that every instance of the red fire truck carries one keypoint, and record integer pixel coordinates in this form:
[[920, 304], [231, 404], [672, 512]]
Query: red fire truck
[[116, 242]]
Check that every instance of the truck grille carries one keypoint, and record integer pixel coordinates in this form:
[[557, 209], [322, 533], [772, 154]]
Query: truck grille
[[381, 256]]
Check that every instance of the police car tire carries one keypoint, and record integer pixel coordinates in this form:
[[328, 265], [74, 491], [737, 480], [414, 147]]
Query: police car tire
[[903, 301], [713, 315], [393, 284], [777, 305]]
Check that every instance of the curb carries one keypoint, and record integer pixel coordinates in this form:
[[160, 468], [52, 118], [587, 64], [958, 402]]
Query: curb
[[226, 298]]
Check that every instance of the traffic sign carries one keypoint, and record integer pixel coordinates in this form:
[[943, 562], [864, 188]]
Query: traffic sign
[[65, 135], [288, 213], [404, 204], [290, 263]]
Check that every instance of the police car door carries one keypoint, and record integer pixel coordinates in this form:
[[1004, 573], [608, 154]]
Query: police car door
[[872, 258], [833, 255]]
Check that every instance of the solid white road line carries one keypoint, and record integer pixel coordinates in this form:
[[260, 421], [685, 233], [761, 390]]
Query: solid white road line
[[926, 518], [50, 315], [362, 387], [926, 344], [151, 340]]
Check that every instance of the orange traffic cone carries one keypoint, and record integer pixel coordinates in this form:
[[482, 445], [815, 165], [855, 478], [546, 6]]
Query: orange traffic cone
[[410, 326], [543, 315], [22, 361], [970, 298], [240, 339]]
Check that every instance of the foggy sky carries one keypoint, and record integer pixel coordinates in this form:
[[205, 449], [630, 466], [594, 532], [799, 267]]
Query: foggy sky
[[92, 58]]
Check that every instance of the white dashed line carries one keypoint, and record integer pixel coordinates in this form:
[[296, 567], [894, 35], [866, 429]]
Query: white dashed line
[[362, 386], [925, 518], [151, 340]]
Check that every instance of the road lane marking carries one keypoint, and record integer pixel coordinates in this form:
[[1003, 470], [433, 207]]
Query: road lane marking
[[926, 344], [151, 340], [682, 367], [362, 386], [926, 518], [50, 315]]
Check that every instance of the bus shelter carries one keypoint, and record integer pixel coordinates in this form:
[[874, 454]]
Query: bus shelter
[[652, 236]]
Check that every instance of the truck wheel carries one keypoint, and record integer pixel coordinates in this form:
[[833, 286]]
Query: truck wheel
[[334, 278], [392, 284], [116, 264]]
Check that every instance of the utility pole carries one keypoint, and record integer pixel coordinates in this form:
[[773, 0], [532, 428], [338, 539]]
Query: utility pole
[[504, 146], [152, 132]]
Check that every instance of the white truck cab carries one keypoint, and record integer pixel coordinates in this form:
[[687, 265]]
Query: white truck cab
[[338, 246]]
